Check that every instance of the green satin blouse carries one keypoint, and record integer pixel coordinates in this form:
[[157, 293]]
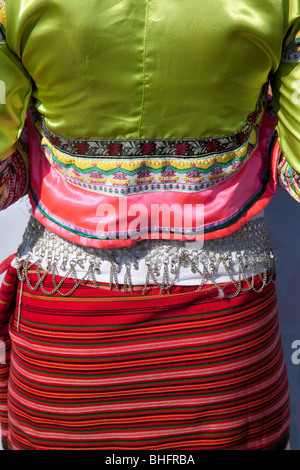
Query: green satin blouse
[[148, 68]]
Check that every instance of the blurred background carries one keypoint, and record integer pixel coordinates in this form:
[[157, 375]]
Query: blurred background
[[283, 220]]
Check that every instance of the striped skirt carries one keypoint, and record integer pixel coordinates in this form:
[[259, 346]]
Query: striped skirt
[[104, 369]]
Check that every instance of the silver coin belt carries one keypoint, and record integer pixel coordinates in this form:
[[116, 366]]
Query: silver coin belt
[[48, 253]]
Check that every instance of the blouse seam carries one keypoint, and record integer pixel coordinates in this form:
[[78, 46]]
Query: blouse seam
[[145, 38]]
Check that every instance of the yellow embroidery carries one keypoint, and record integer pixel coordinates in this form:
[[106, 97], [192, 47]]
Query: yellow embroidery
[[106, 165], [2, 13]]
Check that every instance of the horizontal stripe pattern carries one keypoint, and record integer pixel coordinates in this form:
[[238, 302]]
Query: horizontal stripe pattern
[[185, 370], [7, 305]]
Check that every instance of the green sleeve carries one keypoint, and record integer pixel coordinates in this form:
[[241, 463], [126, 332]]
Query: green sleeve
[[286, 94], [15, 93]]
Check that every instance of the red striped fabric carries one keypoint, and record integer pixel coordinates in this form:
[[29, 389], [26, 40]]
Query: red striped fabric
[[110, 370]]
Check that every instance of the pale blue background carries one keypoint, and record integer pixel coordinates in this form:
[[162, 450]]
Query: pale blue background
[[283, 219]]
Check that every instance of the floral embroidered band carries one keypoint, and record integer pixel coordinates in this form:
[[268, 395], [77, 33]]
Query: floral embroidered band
[[132, 166], [14, 178], [289, 179], [291, 50]]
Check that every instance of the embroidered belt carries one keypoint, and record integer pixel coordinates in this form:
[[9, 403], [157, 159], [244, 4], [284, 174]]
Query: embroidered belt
[[242, 255]]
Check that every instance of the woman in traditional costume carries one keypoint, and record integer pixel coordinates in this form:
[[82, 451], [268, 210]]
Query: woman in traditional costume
[[140, 310]]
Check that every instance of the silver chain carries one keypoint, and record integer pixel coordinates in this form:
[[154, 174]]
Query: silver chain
[[164, 260]]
